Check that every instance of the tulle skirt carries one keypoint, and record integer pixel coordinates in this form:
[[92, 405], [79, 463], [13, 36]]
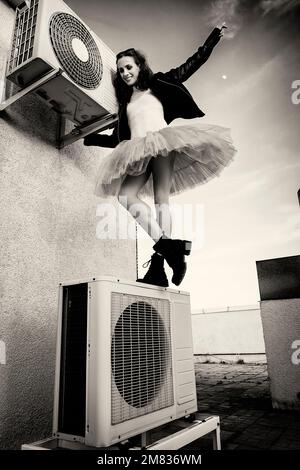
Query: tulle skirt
[[201, 152]]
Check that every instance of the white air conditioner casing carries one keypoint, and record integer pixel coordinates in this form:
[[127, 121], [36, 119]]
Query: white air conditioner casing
[[124, 360], [49, 36]]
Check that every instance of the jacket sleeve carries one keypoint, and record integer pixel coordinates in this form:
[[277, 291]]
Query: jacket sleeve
[[102, 140], [193, 63]]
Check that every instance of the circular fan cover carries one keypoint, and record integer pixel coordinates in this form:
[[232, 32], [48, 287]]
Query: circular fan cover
[[76, 50], [139, 354]]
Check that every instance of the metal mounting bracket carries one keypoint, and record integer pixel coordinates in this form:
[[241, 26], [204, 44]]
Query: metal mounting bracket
[[30, 88], [107, 122], [78, 132]]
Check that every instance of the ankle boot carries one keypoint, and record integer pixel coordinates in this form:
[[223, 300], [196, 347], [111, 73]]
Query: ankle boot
[[156, 274], [173, 251]]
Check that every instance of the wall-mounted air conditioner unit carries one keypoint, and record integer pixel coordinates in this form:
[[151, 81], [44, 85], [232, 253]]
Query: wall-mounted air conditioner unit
[[48, 36], [124, 360]]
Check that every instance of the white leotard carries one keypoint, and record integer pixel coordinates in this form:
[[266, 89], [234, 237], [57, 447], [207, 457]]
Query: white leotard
[[145, 113]]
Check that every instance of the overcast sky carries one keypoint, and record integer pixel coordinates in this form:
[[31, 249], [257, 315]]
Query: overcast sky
[[251, 212]]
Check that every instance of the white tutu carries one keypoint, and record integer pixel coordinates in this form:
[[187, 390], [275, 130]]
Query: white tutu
[[202, 152]]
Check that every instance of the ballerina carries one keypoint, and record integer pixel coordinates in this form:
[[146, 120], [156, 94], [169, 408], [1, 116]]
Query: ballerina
[[176, 157]]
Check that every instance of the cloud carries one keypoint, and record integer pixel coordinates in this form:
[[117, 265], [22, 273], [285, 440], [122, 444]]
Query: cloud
[[228, 11], [279, 7], [233, 12], [257, 182]]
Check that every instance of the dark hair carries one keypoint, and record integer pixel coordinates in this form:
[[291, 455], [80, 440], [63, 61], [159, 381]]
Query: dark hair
[[123, 91]]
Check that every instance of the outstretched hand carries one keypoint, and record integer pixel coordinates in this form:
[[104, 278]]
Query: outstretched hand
[[90, 139], [223, 26], [214, 37]]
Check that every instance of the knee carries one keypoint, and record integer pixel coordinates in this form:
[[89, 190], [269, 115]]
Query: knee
[[126, 198], [122, 198]]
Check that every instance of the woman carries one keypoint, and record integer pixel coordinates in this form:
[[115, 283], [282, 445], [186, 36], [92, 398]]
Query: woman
[[177, 158]]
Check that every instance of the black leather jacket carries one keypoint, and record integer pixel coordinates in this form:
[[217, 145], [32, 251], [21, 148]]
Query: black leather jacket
[[168, 88]]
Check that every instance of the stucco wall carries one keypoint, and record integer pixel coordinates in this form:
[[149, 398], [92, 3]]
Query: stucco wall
[[48, 235], [281, 326]]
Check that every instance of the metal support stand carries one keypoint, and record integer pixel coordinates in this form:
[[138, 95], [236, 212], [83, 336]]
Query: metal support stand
[[217, 438], [144, 440], [170, 440], [192, 432]]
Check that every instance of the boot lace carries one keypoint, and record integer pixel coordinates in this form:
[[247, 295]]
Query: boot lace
[[146, 264]]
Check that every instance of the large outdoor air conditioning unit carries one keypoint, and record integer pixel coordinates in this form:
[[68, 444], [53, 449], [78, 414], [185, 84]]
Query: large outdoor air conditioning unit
[[124, 360], [49, 36]]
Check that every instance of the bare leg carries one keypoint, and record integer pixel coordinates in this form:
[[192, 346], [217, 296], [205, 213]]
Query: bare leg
[[162, 171], [138, 208]]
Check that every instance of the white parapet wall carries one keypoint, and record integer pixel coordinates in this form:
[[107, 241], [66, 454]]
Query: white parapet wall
[[229, 334]]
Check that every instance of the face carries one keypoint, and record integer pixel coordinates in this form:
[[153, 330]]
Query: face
[[128, 70]]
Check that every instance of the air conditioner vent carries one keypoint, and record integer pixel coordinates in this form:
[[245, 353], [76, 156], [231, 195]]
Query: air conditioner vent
[[76, 50], [140, 356], [23, 36]]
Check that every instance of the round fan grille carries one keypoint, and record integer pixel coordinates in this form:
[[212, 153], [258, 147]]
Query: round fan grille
[[139, 354], [76, 50]]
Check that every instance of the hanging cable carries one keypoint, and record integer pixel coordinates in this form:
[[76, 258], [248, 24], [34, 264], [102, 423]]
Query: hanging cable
[[136, 252]]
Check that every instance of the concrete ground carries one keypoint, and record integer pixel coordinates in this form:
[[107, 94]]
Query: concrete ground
[[240, 395]]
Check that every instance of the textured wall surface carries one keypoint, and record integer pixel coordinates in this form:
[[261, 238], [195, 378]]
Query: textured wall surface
[[281, 326], [48, 235]]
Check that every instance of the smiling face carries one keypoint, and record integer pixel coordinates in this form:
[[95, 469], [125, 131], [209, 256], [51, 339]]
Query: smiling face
[[128, 70]]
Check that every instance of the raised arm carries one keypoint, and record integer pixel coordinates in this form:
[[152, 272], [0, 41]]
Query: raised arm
[[193, 63]]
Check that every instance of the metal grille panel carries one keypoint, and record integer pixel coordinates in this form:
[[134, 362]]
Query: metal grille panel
[[64, 28], [142, 378], [23, 36]]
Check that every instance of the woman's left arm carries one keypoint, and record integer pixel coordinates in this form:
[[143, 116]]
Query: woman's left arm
[[193, 63]]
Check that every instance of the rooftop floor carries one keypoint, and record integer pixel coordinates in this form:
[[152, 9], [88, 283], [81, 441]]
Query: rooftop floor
[[240, 395]]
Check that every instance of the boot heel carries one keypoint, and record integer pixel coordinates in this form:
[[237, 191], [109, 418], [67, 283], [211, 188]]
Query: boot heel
[[187, 246]]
